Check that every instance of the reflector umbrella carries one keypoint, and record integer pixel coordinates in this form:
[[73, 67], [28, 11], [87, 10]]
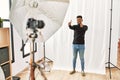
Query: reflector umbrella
[[51, 12]]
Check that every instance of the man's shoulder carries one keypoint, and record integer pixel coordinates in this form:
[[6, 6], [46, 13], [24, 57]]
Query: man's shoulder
[[85, 25], [76, 25]]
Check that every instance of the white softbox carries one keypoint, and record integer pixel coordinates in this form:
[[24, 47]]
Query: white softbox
[[51, 12]]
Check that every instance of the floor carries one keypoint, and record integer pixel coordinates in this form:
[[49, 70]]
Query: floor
[[64, 75]]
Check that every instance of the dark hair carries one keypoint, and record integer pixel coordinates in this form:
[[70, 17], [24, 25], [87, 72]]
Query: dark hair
[[79, 16]]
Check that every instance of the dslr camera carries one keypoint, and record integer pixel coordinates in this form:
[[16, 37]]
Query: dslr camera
[[35, 24]]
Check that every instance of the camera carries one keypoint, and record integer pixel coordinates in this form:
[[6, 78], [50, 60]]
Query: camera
[[35, 24]]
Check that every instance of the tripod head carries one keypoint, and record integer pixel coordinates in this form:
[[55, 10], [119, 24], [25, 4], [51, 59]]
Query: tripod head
[[33, 25], [33, 35]]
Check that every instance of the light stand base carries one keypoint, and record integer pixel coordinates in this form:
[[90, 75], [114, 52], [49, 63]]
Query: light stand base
[[46, 64], [109, 63]]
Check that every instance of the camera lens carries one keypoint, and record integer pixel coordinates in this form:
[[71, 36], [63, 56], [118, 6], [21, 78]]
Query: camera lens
[[41, 24]]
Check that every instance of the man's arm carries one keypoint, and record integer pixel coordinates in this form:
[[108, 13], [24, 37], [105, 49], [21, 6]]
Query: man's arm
[[70, 26], [86, 27]]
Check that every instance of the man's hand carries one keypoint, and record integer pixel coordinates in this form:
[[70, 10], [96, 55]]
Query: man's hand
[[69, 23]]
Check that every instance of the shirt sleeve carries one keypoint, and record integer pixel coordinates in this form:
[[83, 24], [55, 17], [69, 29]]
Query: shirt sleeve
[[86, 27], [72, 27]]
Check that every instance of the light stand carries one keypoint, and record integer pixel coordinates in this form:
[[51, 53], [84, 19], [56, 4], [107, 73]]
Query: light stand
[[45, 58], [44, 54], [110, 43]]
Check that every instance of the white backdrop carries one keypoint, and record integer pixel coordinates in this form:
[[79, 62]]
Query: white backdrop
[[96, 14]]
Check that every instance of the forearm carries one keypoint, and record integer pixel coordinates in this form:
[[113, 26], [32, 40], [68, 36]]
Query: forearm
[[71, 27]]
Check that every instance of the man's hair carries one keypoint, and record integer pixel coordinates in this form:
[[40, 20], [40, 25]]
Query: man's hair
[[79, 16]]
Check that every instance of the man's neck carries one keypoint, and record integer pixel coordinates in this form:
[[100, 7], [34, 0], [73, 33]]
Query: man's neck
[[81, 25]]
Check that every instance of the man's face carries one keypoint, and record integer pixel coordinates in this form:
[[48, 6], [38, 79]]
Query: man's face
[[79, 20]]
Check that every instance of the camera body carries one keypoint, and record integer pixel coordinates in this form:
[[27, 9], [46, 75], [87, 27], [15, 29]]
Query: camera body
[[35, 24]]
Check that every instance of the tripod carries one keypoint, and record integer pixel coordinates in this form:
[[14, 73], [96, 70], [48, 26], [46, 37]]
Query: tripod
[[110, 44], [33, 65]]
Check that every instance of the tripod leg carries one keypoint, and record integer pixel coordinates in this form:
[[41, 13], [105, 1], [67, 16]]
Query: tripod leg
[[48, 59], [45, 78], [109, 69], [115, 66]]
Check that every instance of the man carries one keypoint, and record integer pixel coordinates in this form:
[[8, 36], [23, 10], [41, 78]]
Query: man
[[78, 42]]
